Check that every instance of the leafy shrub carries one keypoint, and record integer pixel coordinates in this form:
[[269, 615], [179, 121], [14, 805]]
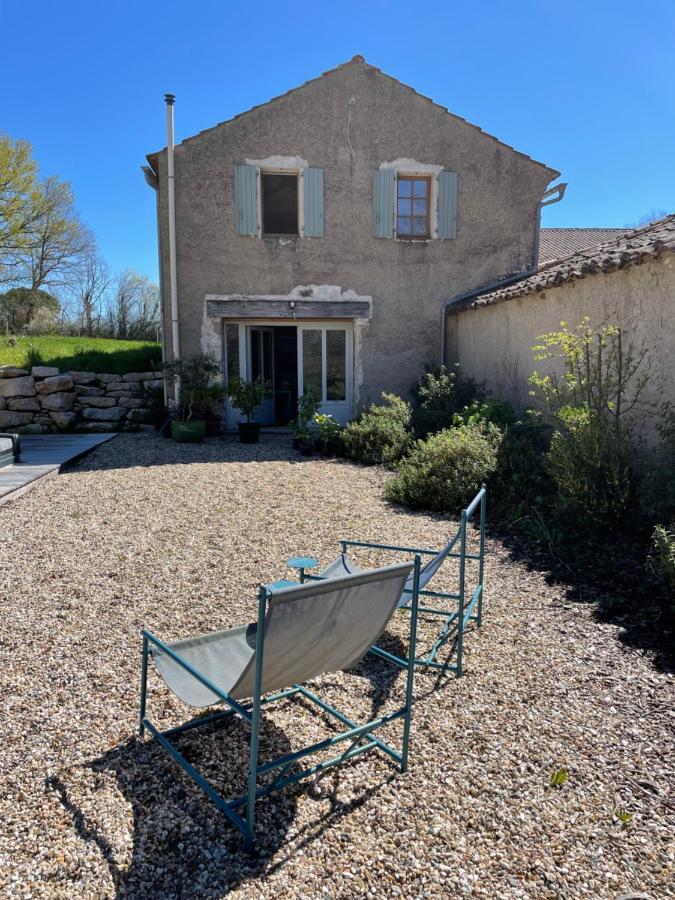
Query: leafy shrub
[[499, 412], [380, 436], [445, 471], [658, 487], [438, 397], [328, 440], [593, 474], [522, 483], [592, 407], [663, 558]]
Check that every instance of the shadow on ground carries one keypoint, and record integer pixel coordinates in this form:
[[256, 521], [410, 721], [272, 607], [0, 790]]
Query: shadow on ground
[[181, 846], [613, 578]]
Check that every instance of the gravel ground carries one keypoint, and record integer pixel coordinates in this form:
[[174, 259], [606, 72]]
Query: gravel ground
[[177, 537]]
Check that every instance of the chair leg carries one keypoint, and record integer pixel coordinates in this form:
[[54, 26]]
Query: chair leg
[[412, 653], [144, 686], [255, 722]]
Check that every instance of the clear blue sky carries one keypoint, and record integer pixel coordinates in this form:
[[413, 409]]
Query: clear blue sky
[[587, 87]]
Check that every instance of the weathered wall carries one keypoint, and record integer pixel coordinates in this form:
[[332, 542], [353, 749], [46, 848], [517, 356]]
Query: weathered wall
[[494, 343], [45, 400], [499, 194]]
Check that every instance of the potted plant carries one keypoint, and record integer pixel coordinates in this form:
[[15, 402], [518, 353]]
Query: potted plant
[[329, 437], [308, 407], [192, 378], [247, 397]]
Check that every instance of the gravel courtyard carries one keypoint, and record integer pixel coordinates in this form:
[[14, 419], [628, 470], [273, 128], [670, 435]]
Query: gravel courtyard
[[177, 537]]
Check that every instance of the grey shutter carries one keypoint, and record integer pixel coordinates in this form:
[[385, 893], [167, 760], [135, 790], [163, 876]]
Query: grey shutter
[[313, 202], [383, 203], [246, 200], [447, 205]]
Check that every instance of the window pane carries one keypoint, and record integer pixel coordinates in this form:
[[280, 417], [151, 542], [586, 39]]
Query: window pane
[[404, 226], [419, 207], [420, 188], [336, 365], [405, 207], [404, 187], [232, 350], [311, 362], [279, 203], [419, 227]]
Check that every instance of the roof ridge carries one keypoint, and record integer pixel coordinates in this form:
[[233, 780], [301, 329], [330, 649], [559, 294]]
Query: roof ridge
[[359, 59]]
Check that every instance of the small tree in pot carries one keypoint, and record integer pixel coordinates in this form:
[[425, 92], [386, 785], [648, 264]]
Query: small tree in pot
[[247, 397], [192, 376], [308, 406]]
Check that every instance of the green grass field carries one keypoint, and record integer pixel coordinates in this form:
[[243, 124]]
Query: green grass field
[[82, 354]]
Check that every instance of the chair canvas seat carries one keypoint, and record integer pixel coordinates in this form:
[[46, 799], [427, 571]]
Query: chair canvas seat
[[343, 565], [310, 629]]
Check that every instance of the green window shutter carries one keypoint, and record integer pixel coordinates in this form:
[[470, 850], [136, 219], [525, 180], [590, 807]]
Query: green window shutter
[[447, 205], [246, 200], [383, 203], [313, 202]]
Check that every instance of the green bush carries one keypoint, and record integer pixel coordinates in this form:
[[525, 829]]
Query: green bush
[[592, 470], [438, 397], [658, 487], [593, 408], [445, 471], [499, 412], [663, 559], [522, 482], [380, 436]]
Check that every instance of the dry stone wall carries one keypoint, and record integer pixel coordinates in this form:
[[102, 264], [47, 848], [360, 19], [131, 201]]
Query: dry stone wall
[[44, 399]]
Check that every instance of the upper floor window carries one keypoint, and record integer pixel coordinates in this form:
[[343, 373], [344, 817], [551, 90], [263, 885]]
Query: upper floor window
[[279, 203], [413, 205]]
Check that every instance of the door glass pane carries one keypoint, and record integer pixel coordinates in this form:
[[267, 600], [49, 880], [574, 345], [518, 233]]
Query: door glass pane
[[256, 357], [311, 362], [336, 365], [232, 351], [268, 352]]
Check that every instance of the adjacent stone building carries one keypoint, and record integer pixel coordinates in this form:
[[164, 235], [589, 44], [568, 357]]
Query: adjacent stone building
[[319, 237], [627, 281]]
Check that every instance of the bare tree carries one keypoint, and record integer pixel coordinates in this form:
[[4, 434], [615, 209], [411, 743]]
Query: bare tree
[[89, 285], [59, 240], [649, 218], [133, 306]]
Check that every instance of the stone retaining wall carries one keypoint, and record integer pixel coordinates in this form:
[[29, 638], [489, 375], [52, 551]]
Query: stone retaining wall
[[45, 400]]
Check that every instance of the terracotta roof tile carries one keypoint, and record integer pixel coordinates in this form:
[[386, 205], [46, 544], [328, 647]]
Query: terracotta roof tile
[[629, 249], [557, 243]]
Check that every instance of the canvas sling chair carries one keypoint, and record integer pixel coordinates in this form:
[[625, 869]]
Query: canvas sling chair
[[467, 603], [302, 631]]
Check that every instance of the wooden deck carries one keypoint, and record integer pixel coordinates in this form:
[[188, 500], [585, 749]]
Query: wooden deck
[[43, 456]]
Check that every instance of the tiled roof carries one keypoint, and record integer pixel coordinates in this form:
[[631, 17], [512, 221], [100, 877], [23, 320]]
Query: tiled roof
[[628, 249], [360, 60], [556, 243]]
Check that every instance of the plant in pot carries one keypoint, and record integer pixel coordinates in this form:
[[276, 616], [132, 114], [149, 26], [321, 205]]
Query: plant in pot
[[192, 376], [308, 407], [247, 396], [329, 437]]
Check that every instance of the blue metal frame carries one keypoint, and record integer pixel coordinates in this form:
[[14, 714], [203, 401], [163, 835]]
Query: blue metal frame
[[250, 711], [457, 618]]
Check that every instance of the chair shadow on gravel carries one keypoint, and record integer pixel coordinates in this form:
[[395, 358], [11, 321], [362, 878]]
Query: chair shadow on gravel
[[181, 845]]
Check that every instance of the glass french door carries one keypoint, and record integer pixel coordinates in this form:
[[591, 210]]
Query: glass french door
[[261, 367], [325, 366]]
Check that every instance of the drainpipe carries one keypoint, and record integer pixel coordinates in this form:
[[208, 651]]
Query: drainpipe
[[153, 181], [504, 282], [173, 277]]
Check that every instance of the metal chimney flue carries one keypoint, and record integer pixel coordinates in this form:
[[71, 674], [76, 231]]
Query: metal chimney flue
[[170, 99]]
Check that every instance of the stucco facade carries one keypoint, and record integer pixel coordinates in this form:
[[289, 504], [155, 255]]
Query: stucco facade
[[493, 342], [350, 122]]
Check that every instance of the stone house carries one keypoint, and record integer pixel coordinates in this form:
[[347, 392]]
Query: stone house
[[320, 237], [628, 280]]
